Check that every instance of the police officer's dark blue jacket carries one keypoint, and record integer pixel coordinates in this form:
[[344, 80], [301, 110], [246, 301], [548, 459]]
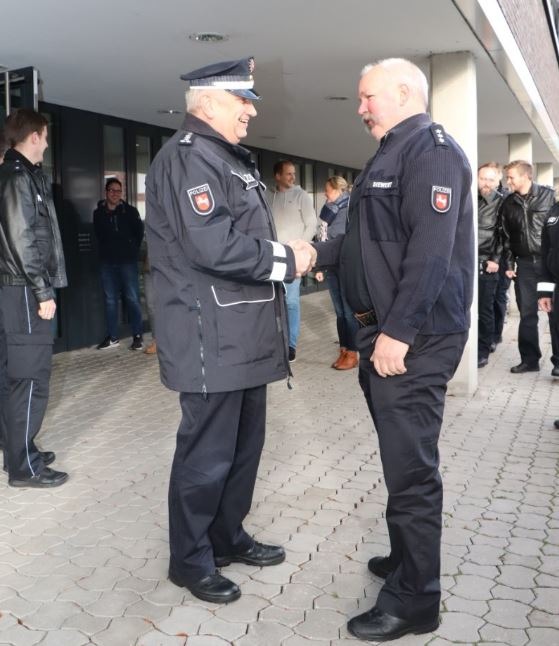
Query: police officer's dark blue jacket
[[119, 233], [550, 255], [30, 245], [216, 267], [416, 232], [489, 245]]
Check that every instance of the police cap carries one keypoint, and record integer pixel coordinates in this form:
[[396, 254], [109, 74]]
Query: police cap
[[233, 76]]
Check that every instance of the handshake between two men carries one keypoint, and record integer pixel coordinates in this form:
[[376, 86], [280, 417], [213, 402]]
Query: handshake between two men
[[305, 256]]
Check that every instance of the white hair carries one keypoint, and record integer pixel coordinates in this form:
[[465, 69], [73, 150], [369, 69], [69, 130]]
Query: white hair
[[406, 74], [192, 98]]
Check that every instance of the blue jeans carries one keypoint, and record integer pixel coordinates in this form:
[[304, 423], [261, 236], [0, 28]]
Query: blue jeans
[[293, 301], [345, 321], [117, 280]]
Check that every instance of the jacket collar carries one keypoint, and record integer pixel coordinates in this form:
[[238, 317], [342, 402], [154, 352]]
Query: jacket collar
[[403, 129], [14, 155], [193, 124]]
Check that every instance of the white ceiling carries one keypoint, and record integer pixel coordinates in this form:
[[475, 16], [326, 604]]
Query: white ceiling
[[124, 58]]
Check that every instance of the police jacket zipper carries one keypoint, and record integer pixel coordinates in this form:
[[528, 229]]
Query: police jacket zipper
[[201, 338]]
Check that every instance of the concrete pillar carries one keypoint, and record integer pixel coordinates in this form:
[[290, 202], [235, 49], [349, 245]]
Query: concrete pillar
[[544, 174], [520, 147], [454, 105]]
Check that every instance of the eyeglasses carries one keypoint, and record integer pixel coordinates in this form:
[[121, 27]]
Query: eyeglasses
[[114, 190]]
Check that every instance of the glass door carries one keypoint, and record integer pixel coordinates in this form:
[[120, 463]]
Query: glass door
[[18, 89]]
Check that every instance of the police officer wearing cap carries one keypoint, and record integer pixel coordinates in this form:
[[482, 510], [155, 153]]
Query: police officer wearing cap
[[217, 273], [407, 267]]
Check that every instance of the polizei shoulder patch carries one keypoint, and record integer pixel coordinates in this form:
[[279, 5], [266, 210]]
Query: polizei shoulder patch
[[441, 198], [201, 199]]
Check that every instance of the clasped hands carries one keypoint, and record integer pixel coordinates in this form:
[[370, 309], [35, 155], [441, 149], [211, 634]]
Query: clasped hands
[[305, 256]]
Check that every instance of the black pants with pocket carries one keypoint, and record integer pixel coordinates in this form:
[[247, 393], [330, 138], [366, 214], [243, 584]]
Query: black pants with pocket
[[219, 443], [487, 286], [407, 411], [25, 366]]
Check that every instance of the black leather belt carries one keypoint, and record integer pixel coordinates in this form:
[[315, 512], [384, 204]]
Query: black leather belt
[[366, 318]]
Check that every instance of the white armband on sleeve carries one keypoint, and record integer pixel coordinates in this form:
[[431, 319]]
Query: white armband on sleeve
[[279, 268], [545, 287]]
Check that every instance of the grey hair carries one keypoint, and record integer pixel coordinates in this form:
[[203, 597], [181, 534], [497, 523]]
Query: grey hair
[[192, 98], [408, 74]]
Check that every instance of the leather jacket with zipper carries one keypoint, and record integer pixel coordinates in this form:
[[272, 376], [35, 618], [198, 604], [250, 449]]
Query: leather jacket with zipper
[[522, 218], [30, 244]]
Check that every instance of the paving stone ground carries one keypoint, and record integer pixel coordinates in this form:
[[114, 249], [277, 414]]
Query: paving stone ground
[[86, 563]]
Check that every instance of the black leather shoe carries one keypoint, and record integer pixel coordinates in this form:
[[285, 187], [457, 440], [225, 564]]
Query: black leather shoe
[[47, 478], [48, 458], [524, 367], [555, 371], [258, 554], [380, 565], [213, 587], [377, 626], [481, 363], [556, 423]]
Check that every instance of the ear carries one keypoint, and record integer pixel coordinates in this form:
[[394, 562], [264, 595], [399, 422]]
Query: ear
[[207, 105], [404, 94]]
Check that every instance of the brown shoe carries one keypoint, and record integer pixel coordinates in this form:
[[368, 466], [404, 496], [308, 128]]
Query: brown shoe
[[349, 361], [151, 348], [340, 357]]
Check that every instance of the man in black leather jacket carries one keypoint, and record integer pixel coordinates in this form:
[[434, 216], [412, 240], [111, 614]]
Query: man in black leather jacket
[[523, 214], [489, 253], [31, 267]]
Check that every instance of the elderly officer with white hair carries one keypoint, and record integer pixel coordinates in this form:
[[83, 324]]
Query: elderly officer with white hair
[[221, 323], [406, 264]]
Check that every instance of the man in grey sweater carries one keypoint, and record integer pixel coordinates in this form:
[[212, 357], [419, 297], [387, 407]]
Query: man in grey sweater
[[295, 219]]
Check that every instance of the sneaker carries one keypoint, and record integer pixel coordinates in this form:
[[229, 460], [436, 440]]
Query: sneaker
[[292, 353], [108, 343], [137, 343]]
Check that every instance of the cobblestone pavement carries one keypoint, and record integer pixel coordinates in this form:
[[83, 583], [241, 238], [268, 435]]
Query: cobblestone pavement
[[86, 563]]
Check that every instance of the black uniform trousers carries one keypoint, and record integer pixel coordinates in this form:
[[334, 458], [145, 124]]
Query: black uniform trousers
[[407, 411], [528, 274], [25, 367], [554, 327], [219, 443], [487, 287]]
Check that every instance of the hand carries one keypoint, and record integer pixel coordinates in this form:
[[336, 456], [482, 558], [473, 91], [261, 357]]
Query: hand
[[47, 309], [510, 273], [305, 256], [319, 276], [492, 267], [388, 356], [545, 304]]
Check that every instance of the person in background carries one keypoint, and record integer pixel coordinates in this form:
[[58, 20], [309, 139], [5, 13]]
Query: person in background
[[119, 230], [294, 217], [332, 223], [522, 217], [489, 255], [32, 267]]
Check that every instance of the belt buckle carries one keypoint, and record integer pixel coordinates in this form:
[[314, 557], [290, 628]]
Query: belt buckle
[[366, 318]]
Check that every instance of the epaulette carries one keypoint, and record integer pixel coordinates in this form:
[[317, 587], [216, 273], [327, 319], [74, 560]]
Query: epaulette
[[187, 140], [439, 135]]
